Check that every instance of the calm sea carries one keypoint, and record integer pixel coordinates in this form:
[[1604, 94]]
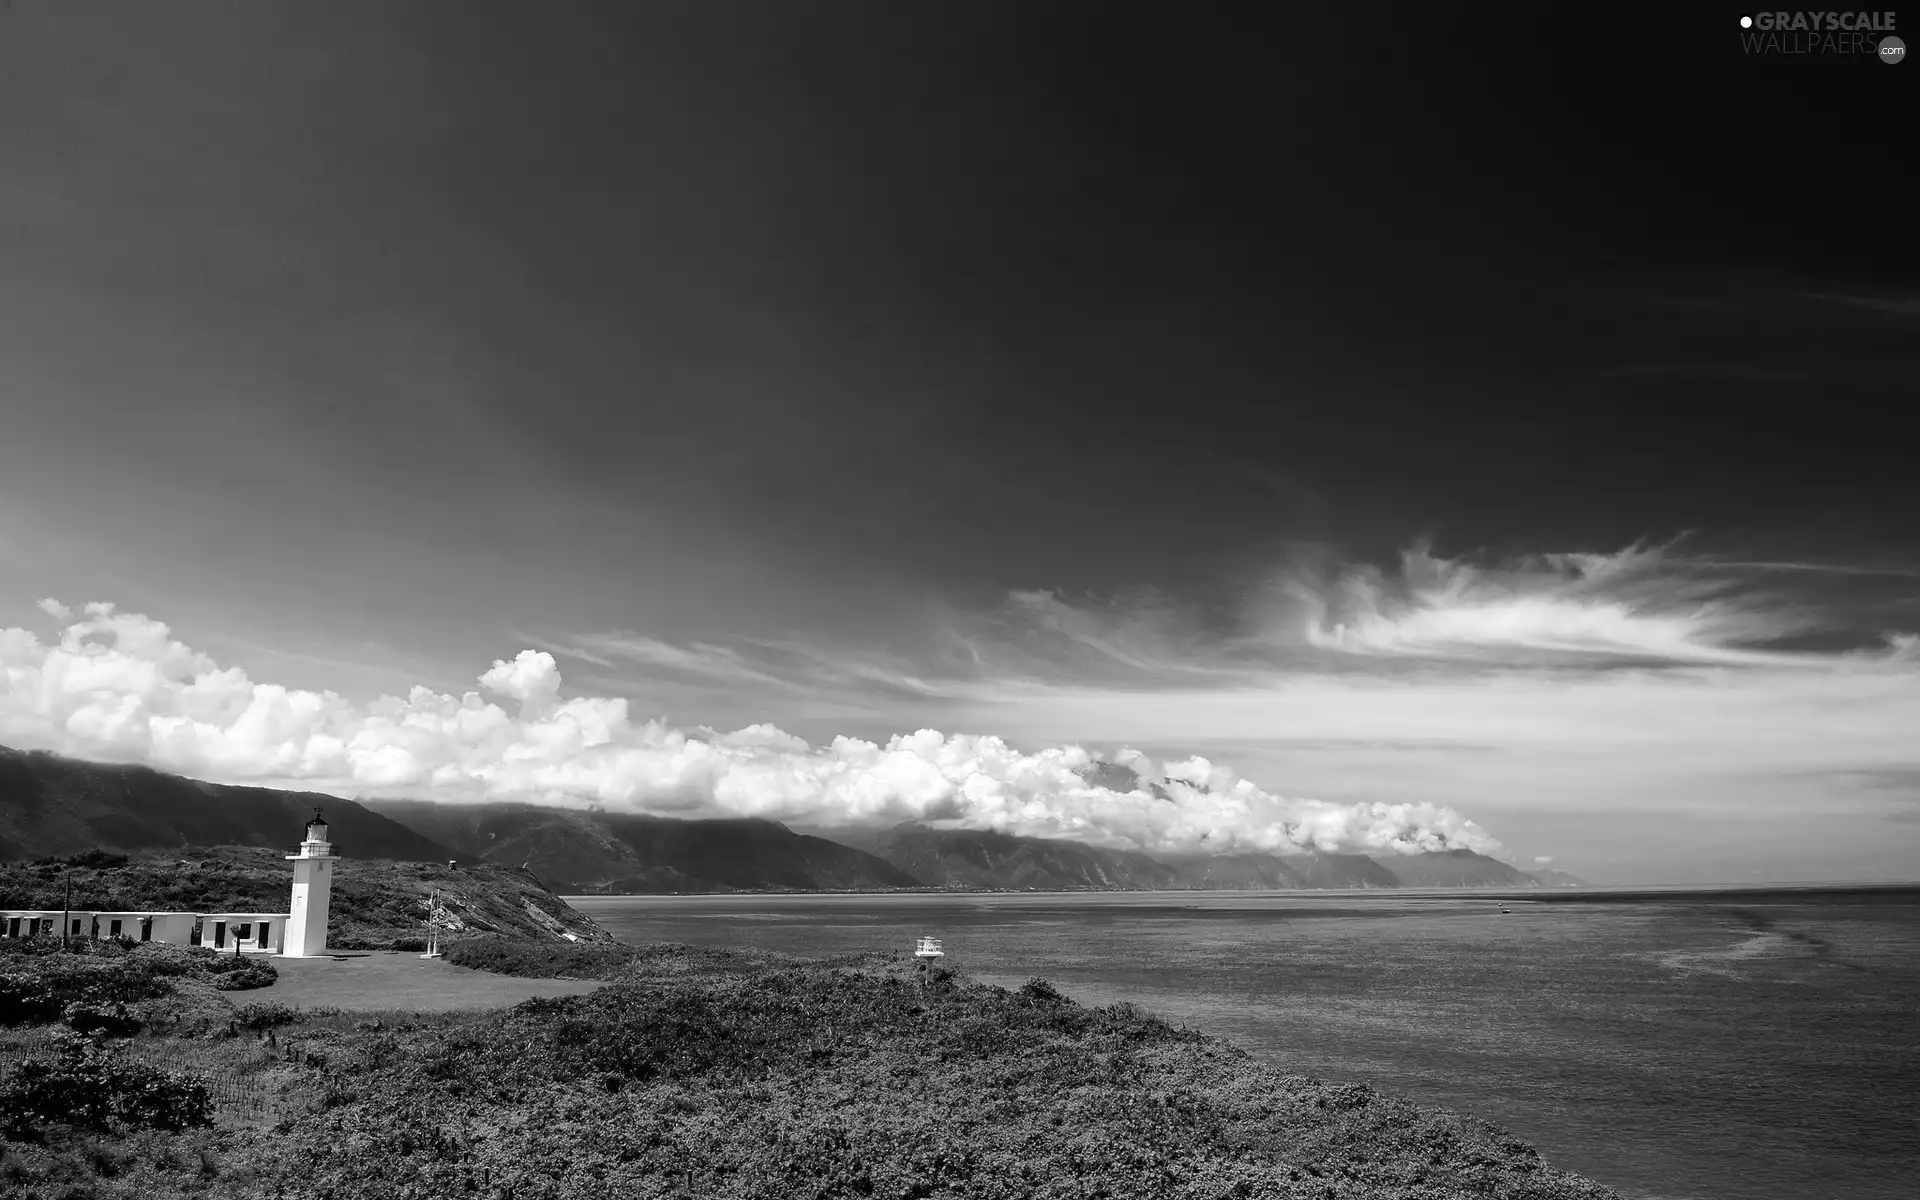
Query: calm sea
[[1677, 1047]]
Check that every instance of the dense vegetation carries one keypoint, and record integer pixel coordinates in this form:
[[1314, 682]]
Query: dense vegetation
[[115, 985], [377, 904], [87, 1083], [703, 1073], [540, 960]]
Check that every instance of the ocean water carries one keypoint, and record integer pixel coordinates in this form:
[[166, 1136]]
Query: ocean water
[[1675, 1046]]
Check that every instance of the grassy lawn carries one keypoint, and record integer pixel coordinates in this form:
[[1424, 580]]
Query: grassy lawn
[[385, 980]]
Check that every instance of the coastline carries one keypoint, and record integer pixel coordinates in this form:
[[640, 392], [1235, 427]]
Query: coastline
[[1640, 893], [728, 1074], [1604, 1034]]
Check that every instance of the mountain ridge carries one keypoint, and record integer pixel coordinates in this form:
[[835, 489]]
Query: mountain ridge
[[634, 853], [52, 805], [976, 859]]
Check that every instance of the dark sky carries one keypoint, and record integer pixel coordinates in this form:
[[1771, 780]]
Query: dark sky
[[1050, 290], [371, 337], [1060, 293], [1070, 294]]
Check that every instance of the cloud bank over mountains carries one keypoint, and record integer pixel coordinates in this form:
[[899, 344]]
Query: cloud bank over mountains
[[119, 685], [1730, 693]]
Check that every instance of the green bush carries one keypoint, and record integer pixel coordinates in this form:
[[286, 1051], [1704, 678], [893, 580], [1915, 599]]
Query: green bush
[[42, 985], [29, 947], [252, 975], [163, 960], [114, 1021], [89, 1084], [215, 962], [540, 960], [99, 860], [39, 989], [264, 1015]]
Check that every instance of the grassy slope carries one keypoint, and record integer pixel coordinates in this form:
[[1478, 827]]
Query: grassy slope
[[375, 901], [715, 1074]]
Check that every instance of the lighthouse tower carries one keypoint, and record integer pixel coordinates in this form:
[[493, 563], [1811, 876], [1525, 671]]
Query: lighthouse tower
[[312, 884]]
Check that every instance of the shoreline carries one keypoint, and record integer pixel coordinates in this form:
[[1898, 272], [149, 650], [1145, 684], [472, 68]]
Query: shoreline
[[1557, 895], [754, 1076]]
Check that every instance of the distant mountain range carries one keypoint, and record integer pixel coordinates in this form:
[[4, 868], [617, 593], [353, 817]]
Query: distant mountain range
[[964, 858], [54, 805], [1553, 877], [1453, 869], [969, 859], [618, 853]]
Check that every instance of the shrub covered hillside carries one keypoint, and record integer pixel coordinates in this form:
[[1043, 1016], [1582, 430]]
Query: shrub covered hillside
[[541, 960], [122, 988], [708, 1074], [376, 902]]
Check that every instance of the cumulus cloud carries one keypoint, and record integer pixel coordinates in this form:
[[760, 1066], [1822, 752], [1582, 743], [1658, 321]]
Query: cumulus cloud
[[120, 685]]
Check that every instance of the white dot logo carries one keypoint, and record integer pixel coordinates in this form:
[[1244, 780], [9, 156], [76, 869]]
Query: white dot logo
[[1746, 22], [1892, 50]]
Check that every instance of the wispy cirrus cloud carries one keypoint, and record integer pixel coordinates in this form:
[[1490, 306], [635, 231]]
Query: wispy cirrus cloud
[[1857, 570], [1885, 305], [702, 660], [781, 666], [1636, 605], [1426, 620], [1642, 606], [1746, 372]]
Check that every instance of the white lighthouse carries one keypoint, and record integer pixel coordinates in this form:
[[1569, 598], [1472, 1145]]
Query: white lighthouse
[[312, 885]]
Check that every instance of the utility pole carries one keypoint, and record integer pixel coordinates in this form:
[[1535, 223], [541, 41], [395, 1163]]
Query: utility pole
[[66, 915]]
